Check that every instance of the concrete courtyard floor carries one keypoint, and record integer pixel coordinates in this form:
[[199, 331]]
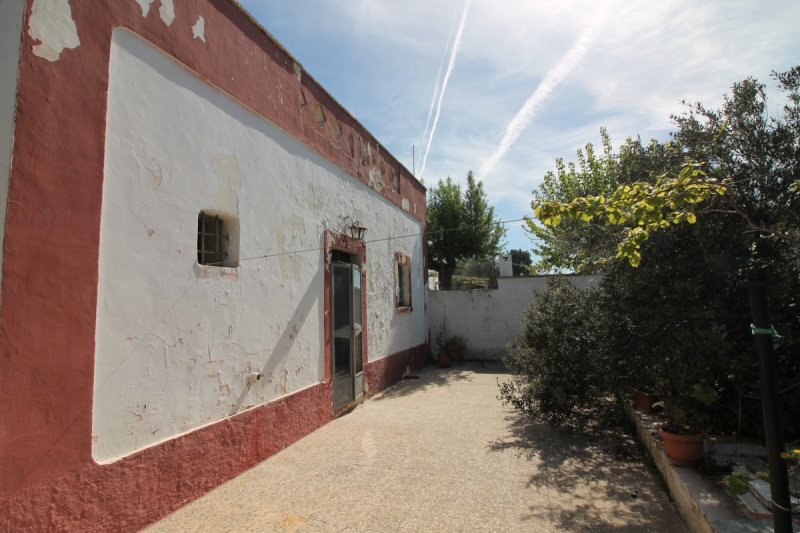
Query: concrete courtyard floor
[[438, 453]]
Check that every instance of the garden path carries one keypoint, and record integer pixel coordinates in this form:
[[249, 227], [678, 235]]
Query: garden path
[[438, 453]]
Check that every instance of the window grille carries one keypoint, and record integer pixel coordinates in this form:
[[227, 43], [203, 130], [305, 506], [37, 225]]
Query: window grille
[[403, 286], [212, 241]]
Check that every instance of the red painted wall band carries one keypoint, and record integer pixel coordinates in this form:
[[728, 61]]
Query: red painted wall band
[[48, 479], [139, 489]]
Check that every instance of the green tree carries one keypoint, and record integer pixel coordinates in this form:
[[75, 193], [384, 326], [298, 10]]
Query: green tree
[[683, 220], [560, 361], [483, 231], [461, 225], [571, 244], [738, 152], [520, 262]]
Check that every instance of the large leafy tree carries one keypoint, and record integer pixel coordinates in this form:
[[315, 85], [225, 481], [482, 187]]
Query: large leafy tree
[[572, 244], [679, 222], [461, 225], [739, 153]]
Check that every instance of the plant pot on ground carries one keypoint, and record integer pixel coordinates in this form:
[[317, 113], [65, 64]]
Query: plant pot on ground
[[644, 399], [689, 376], [684, 446], [683, 436], [454, 347]]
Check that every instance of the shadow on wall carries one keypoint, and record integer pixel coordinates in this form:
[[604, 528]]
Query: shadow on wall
[[600, 481], [283, 345]]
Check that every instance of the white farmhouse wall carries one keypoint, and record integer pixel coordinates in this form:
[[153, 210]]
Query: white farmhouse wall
[[176, 341], [11, 12], [489, 320]]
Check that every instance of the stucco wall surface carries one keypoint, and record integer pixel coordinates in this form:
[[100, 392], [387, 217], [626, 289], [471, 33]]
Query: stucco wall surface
[[176, 342], [489, 319], [49, 478], [11, 12]]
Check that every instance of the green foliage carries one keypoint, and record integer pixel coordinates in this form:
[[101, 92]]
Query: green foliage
[[521, 263], [475, 273], [461, 225], [641, 206], [560, 360], [455, 343], [445, 212], [574, 244], [738, 483], [484, 232], [679, 321], [468, 283]]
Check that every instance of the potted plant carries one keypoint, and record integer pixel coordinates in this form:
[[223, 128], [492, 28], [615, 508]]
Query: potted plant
[[684, 444], [451, 347], [685, 410], [645, 398], [686, 378], [454, 347]]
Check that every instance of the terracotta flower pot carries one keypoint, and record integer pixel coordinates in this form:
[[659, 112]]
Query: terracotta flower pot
[[644, 400], [444, 362], [683, 450], [455, 354]]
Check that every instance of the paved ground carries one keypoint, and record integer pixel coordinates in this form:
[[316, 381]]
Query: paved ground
[[436, 454]]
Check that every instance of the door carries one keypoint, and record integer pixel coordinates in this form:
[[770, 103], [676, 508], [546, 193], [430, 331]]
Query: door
[[348, 366]]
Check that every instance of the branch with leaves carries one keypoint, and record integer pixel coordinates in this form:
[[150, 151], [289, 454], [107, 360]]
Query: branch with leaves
[[643, 208]]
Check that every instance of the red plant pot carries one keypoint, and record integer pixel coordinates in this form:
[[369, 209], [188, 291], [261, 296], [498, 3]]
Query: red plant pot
[[444, 362], [644, 400], [683, 450]]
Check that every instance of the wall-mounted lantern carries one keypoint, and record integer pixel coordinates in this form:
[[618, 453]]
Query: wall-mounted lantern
[[357, 231]]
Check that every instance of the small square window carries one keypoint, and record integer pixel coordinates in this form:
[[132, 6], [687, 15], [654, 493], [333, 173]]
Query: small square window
[[217, 240], [403, 284]]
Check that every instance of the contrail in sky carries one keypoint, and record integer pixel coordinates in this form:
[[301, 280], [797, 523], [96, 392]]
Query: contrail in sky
[[450, 66], [438, 79], [546, 86]]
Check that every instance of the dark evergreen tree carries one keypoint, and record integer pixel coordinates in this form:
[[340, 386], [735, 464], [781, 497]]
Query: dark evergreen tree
[[461, 225]]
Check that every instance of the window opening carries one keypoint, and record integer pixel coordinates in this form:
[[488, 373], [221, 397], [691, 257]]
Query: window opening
[[214, 240], [403, 287]]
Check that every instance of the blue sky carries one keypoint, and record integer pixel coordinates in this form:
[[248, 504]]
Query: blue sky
[[621, 65]]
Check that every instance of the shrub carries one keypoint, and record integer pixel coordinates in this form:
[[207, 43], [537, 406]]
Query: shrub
[[559, 361]]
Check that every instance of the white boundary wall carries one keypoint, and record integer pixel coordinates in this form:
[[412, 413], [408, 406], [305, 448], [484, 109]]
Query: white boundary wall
[[488, 319], [176, 342]]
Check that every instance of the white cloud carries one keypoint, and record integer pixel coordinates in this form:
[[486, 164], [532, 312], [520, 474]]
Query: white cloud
[[550, 82], [450, 67], [380, 59]]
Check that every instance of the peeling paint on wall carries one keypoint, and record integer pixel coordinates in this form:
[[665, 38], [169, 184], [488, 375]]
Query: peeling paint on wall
[[267, 314], [227, 199], [320, 115], [375, 179], [145, 5], [167, 11], [155, 175], [199, 29], [52, 25]]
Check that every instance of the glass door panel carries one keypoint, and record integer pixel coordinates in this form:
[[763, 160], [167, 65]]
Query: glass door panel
[[342, 335], [348, 336], [358, 334]]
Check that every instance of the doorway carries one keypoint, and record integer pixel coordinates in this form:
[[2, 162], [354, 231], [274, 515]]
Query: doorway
[[348, 335]]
